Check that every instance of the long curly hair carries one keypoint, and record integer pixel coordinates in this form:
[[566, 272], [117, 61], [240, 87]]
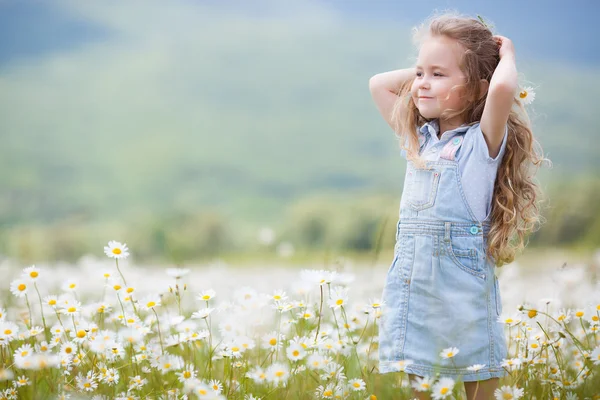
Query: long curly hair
[[515, 209]]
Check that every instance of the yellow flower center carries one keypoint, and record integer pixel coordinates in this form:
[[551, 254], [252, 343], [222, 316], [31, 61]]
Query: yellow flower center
[[579, 314], [129, 290], [444, 390], [167, 366], [522, 95], [52, 302], [206, 297], [71, 309], [81, 334], [296, 353], [116, 250], [450, 354], [339, 302], [7, 332], [72, 286], [68, 350], [22, 287], [273, 342], [187, 374], [150, 304], [33, 274], [356, 384], [87, 385], [117, 287], [507, 396], [532, 313]]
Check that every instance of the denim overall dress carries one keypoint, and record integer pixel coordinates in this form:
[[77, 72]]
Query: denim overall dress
[[440, 290]]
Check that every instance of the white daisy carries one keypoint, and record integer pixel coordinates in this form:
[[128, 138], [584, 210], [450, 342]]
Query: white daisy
[[449, 352], [422, 384], [31, 273], [295, 351], [339, 297], [116, 250], [356, 385], [508, 392], [206, 295], [526, 95], [277, 373], [443, 388], [203, 313], [476, 367], [150, 301], [19, 287]]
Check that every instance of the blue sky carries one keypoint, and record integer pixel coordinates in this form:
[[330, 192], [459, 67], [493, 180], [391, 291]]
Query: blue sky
[[545, 30]]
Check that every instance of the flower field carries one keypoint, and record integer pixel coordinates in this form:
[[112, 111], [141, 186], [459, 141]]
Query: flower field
[[105, 329]]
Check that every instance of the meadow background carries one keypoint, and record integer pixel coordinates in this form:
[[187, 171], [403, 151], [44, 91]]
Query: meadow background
[[239, 140]]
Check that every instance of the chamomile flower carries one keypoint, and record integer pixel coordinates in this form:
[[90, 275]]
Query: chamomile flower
[[186, 375], [508, 392], [203, 313], [8, 331], [73, 308], [526, 95], [442, 388], [216, 385], [339, 297], [357, 385], [422, 384], [51, 301], [476, 367], [31, 273], [116, 250], [150, 302], [271, 340], [277, 373], [19, 287], [449, 352], [206, 295], [295, 351], [22, 381]]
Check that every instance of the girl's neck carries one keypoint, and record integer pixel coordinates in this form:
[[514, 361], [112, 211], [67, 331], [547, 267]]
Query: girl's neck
[[448, 125]]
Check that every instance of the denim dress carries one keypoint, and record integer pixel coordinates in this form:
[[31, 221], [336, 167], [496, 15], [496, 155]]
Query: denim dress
[[441, 291]]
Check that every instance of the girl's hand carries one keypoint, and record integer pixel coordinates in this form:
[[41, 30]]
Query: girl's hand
[[505, 44]]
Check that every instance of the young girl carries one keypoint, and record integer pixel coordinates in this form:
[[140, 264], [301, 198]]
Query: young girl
[[467, 204]]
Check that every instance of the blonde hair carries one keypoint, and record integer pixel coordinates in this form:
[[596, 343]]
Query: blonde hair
[[515, 210]]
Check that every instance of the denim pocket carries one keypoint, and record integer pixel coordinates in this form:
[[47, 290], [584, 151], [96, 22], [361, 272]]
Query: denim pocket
[[421, 188], [465, 258]]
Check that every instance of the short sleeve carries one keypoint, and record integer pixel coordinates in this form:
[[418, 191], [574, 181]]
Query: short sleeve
[[481, 149]]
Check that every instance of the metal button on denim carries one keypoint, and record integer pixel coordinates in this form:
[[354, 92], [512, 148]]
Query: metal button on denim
[[474, 230], [456, 140]]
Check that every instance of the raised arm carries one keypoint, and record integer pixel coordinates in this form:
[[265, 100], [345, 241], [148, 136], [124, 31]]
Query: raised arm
[[501, 92], [384, 89]]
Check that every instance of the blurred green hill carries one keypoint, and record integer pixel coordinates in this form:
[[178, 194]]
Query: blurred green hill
[[246, 126]]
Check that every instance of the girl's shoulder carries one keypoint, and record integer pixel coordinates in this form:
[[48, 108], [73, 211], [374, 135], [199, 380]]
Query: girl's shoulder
[[476, 145]]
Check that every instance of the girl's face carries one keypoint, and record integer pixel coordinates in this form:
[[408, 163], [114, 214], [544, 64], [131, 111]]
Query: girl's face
[[437, 72]]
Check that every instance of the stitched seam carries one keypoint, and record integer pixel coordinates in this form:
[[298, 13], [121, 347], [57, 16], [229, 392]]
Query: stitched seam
[[460, 265]]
